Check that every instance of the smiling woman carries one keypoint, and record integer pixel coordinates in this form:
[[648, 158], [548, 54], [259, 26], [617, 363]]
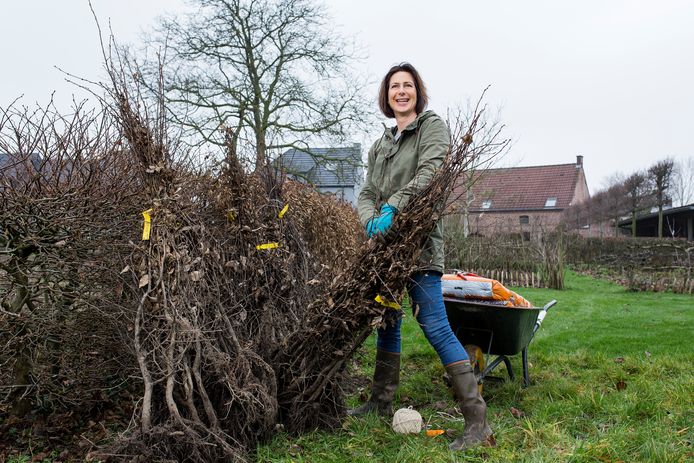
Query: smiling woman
[[402, 162]]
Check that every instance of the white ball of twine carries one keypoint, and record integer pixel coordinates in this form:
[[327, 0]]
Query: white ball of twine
[[407, 421]]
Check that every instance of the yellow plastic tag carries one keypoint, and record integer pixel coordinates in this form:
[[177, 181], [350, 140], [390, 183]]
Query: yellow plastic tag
[[283, 211], [148, 224], [267, 246], [385, 302]]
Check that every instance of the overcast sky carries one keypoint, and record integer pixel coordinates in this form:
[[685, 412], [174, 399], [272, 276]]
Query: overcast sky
[[610, 80]]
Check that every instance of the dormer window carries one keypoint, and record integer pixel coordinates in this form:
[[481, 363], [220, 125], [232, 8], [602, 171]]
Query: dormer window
[[486, 204], [551, 202]]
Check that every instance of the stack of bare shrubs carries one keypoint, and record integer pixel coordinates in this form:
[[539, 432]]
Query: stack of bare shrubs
[[229, 297]]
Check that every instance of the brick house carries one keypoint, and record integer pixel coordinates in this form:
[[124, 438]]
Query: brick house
[[526, 200]]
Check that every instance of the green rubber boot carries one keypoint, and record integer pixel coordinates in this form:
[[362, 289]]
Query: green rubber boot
[[385, 382], [473, 407]]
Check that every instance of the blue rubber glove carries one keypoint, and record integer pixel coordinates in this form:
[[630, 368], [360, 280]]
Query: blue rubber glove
[[383, 222]]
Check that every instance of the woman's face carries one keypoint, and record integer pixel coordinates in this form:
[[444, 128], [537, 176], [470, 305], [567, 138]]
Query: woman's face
[[402, 94]]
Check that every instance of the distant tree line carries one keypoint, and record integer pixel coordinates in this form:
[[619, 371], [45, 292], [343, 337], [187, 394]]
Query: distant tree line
[[664, 184]]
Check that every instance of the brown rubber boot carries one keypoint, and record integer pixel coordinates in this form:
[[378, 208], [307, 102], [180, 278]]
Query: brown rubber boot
[[385, 382], [471, 403]]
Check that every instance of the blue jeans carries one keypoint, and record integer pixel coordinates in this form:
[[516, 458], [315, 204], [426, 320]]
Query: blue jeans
[[427, 304]]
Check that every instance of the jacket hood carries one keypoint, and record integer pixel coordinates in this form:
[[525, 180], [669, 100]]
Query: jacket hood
[[421, 117]]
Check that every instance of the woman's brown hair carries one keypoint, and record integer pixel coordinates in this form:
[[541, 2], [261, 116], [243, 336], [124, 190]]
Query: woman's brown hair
[[422, 97]]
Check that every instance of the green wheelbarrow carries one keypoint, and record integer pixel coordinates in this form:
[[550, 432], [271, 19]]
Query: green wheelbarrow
[[495, 330]]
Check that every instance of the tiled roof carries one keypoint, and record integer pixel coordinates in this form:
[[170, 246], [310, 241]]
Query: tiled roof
[[525, 188], [325, 167]]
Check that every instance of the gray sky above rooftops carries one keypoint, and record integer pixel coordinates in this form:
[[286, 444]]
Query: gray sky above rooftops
[[612, 80]]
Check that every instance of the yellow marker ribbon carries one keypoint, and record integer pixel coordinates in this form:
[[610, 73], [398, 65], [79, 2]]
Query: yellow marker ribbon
[[385, 302], [147, 228], [283, 211], [267, 246]]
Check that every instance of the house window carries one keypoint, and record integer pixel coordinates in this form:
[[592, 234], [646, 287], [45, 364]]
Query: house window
[[486, 204], [551, 202], [524, 219]]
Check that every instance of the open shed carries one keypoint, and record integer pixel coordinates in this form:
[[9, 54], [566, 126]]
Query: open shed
[[678, 222]]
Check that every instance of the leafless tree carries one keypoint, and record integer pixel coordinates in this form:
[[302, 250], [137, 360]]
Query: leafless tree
[[606, 206], [600, 211], [579, 215], [682, 187], [660, 174], [637, 190], [272, 71], [615, 204]]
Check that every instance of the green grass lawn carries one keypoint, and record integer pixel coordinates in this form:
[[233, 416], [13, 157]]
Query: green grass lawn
[[612, 379]]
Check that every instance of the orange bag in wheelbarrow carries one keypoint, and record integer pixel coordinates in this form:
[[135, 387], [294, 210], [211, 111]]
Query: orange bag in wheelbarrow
[[470, 286]]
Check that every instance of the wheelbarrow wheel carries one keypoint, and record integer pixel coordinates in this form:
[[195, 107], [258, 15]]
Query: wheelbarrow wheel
[[477, 362]]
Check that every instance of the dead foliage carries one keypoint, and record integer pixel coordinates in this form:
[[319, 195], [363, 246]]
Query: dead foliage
[[330, 228]]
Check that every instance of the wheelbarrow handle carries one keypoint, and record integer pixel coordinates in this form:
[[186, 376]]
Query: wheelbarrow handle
[[543, 313]]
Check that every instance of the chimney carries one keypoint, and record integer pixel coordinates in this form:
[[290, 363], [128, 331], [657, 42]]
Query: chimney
[[579, 161]]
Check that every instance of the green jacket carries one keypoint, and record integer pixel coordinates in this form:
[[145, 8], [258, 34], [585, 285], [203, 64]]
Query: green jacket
[[398, 168]]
